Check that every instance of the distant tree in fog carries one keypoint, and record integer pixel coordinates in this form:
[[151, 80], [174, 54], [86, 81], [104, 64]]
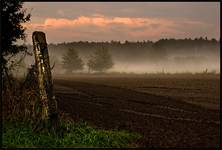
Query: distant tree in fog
[[101, 60], [72, 61]]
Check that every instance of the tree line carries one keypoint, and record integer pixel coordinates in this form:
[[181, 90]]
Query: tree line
[[131, 46], [131, 50], [127, 51]]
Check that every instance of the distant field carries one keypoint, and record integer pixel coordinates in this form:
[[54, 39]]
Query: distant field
[[168, 110], [203, 90]]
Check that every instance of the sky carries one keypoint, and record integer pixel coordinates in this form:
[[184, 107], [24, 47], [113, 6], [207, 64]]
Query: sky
[[120, 21]]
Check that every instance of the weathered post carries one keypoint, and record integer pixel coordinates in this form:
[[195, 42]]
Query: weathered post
[[47, 99]]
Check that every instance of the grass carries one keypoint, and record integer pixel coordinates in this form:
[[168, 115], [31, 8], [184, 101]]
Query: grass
[[72, 135], [21, 105]]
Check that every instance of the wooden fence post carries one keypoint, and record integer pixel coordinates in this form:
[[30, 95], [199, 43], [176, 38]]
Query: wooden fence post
[[44, 77]]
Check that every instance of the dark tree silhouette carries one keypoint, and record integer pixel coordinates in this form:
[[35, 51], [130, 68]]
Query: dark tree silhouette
[[12, 17], [72, 61], [101, 60]]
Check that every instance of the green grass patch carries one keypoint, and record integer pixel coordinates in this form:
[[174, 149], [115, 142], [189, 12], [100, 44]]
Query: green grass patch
[[70, 135]]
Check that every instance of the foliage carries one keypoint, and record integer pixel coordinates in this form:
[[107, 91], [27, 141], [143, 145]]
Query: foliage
[[101, 60], [70, 135], [72, 61], [13, 16], [20, 99], [22, 126], [17, 66]]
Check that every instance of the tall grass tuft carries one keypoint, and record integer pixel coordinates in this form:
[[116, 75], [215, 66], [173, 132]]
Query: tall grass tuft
[[20, 100]]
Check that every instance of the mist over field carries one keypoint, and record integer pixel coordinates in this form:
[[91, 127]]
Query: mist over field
[[163, 56], [140, 37]]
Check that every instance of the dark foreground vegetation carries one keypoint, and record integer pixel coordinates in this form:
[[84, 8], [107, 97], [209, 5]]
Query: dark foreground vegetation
[[22, 126], [71, 135]]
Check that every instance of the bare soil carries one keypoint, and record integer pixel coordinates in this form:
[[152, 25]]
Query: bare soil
[[167, 111]]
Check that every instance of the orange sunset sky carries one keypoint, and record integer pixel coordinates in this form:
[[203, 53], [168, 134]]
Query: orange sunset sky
[[133, 21]]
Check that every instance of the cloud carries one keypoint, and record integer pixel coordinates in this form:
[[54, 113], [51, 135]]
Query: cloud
[[60, 12], [100, 20], [98, 27]]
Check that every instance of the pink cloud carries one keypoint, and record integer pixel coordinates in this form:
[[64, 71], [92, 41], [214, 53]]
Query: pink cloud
[[99, 20], [57, 22], [99, 27]]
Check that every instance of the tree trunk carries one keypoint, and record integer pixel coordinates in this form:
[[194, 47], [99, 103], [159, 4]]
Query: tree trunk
[[48, 101]]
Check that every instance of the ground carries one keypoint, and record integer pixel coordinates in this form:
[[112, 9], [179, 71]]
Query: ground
[[167, 110]]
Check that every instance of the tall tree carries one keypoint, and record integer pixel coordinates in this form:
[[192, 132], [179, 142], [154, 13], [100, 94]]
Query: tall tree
[[101, 60], [72, 61], [12, 17]]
